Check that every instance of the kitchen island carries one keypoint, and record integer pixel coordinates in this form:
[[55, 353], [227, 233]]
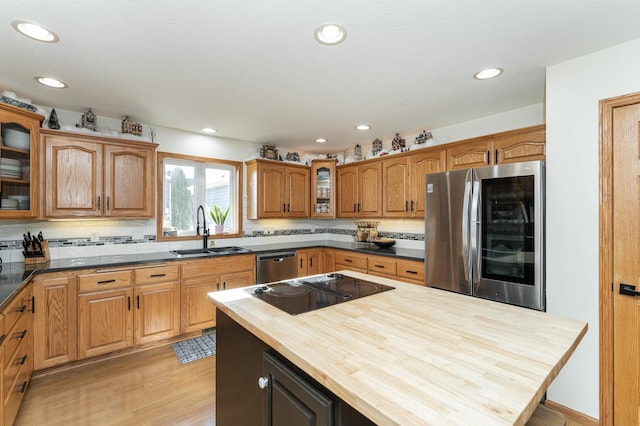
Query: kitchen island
[[411, 355]]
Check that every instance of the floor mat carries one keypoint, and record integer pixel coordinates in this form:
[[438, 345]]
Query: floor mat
[[196, 348]]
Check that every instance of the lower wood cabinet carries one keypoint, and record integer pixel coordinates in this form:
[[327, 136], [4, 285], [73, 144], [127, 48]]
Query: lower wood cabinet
[[203, 276], [310, 262], [409, 271], [16, 353], [54, 327], [105, 322]]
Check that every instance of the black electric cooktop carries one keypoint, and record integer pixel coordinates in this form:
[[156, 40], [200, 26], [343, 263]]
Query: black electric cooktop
[[307, 294]]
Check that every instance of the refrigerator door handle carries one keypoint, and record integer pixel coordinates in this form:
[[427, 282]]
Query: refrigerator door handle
[[465, 227], [474, 232]]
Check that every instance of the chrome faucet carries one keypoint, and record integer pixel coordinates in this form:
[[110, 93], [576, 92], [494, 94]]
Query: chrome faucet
[[205, 230]]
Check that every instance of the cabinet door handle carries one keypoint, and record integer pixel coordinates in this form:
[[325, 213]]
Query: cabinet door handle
[[138, 301], [358, 207], [107, 281], [21, 308], [22, 387], [98, 202], [289, 207], [33, 305], [157, 275], [21, 334], [284, 207], [311, 262], [224, 285], [354, 207], [489, 157], [21, 361], [406, 206], [412, 205], [218, 286], [300, 263], [108, 198], [496, 156], [129, 303]]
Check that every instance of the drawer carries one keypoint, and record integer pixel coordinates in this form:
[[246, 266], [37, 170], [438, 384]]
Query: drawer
[[382, 265], [350, 260], [160, 274], [16, 309], [104, 280], [20, 360], [16, 338], [411, 269], [15, 392]]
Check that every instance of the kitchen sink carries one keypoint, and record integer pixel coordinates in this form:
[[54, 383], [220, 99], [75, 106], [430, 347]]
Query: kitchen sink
[[218, 251]]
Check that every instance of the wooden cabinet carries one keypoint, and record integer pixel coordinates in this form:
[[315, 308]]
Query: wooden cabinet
[[403, 181], [275, 190], [507, 147], [55, 320], [409, 271], [328, 260], [350, 260], [203, 276], [157, 303], [17, 353], [105, 314], [526, 144], [87, 176], [19, 167], [309, 262], [360, 190], [323, 188]]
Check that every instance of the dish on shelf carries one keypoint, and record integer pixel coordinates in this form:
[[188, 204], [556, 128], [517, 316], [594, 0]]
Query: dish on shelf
[[15, 138], [384, 242]]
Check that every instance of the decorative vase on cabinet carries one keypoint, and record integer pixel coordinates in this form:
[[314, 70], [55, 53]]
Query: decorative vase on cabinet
[[323, 188]]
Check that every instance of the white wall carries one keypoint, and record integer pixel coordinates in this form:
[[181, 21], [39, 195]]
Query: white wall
[[574, 89]]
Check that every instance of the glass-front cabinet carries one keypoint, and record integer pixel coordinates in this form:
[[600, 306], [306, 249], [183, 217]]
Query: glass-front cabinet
[[19, 159], [323, 188]]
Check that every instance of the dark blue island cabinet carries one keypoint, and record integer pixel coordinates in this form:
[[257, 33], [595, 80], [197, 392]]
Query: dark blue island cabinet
[[256, 386]]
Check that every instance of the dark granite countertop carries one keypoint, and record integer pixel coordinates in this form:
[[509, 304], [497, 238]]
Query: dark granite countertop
[[13, 276]]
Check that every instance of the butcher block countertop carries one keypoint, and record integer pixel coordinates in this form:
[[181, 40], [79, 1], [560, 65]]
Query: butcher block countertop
[[417, 355]]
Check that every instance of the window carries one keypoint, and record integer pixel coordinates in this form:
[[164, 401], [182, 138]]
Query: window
[[185, 183]]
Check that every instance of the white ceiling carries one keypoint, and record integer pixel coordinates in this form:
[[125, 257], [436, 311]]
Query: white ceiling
[[252, 69]]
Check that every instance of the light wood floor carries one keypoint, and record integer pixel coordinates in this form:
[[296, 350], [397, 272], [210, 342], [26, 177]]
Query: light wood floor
[[145, 388]]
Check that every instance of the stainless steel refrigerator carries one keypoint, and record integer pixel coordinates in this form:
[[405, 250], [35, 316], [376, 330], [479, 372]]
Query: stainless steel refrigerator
[[484, 232]]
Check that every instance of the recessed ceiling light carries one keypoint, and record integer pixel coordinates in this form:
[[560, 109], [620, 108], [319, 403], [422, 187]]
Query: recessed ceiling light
[[51, 82], [488, 73], [363, 127], [330, 34], [35, 31], [209, 130], [321, 140]]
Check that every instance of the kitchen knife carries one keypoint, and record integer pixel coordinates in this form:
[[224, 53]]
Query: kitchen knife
[[40, 236]]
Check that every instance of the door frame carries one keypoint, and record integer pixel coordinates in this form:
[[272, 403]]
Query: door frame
[[606, 251]]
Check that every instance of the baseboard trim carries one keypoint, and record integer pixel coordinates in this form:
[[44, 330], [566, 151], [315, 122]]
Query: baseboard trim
[[572, 415]]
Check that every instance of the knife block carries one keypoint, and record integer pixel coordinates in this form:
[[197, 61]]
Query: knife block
[[34, 258]]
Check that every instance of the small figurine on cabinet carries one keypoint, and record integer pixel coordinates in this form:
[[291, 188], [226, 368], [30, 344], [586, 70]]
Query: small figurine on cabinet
[[377, 146], [357, 152], [127, 125], [293, 156], [423, 137], [136, 129], [53, 120], [269, 151], [89, 120], [397, 144]]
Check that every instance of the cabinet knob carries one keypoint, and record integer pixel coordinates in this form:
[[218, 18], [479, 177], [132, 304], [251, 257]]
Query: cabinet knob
[[263, 382]]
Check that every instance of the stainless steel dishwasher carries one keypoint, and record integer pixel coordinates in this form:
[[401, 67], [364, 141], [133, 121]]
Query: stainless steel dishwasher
[[276, 266]]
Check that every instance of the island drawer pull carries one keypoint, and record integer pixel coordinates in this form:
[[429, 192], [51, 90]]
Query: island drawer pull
[[379, 266], [158, 275], [21, 361], [348, 260], [21, 334], [263, 382], [106, 281], [411, 272], [22, 387]]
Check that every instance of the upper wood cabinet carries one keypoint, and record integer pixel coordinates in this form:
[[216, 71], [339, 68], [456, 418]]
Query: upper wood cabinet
[[275, 190], [86, 176], [360, 190], [403, 181], [508, 147], [19, 167]]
